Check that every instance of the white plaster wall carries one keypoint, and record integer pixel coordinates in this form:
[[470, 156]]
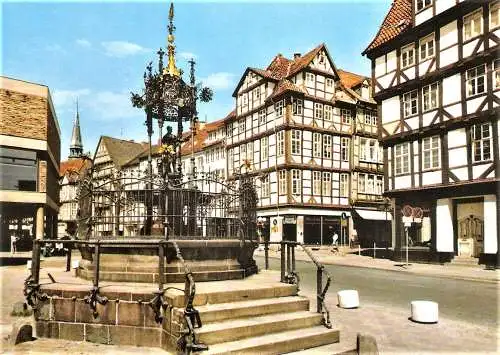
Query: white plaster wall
[[460, 173], [457, 157], [490, 224], [444, 228], [431, 178], [473, 104], [380, 66], [442, 5], [456, 138], [386, 80], [422, 16], [390, 109], [451, 89], [477, 170], [448, 34], [402, 182], [448, 56], [391, 61]]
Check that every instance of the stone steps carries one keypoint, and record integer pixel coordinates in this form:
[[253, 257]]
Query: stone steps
[[464, 261], [278, 343], [233, 310]]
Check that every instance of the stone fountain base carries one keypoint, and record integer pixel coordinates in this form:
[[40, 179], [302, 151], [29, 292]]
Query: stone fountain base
[[209, 260]]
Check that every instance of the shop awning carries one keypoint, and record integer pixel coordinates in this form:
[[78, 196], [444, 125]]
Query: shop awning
[[374, 215]]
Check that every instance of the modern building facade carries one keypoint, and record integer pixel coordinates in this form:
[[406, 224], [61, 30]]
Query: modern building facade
[[29, 165], [308, 132], [436, 80]]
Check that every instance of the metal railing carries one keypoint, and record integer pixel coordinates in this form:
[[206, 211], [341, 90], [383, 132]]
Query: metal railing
[[187, 339], [290, 275]]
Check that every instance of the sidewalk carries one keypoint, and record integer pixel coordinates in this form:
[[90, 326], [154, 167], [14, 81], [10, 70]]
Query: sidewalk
[[459, 272]]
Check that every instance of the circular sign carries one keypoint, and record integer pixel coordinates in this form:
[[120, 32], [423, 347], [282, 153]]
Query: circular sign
[[418, 212], [407, 211], [343, 215], [275, 221]]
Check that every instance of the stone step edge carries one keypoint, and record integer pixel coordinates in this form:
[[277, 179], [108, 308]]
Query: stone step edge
[[293, 340], [250, 327], [250, 308]]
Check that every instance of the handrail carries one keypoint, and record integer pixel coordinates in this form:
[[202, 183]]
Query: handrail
[[288, 262]]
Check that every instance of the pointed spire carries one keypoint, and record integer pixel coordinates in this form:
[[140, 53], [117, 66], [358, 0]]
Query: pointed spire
[[171, 69], [76, 146]]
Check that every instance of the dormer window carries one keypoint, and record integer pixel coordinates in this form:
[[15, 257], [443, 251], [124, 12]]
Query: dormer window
[[322, 59], [422, 4]]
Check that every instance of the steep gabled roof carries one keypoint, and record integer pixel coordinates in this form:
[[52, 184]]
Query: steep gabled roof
[[74, 168], [349, 79], [397, 20], [122, 151]]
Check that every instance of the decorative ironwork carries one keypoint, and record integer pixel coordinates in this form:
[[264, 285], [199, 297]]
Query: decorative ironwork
[[93, 299], [33, 294]]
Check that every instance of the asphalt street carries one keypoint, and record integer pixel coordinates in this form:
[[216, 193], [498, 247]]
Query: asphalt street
[[468, 301]]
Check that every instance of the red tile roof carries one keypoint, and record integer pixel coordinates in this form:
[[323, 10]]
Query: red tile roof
[[397, 20], [286, 85], [303, 61], [349, 79], [74, 168]]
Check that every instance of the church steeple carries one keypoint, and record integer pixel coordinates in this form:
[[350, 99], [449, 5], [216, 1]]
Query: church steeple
[[76, 146]]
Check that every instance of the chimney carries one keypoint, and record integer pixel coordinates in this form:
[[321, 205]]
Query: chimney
[[296, 55]]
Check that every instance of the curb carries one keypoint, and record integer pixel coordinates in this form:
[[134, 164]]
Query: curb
[[415, 272]]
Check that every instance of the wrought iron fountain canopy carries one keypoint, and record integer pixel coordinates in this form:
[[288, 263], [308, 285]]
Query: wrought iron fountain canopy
[[157, 201]]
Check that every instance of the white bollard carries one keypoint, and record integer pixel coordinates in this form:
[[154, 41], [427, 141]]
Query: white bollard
[[348, 299], [28, 265], [424, 311]]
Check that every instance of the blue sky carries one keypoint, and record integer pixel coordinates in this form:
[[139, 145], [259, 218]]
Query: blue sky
[[98, 51]]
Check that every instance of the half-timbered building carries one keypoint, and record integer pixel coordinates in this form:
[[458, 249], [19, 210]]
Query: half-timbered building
[[436, 81], [308, 131]]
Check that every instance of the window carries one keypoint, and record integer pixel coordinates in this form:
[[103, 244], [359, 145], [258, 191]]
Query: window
[[282, 182], [328, 113], [264, 189], [345, 116], [427, 47], [250, 151], [243, 152], [316, 145], [496, 73], [230, 160], [327, 184], [327, 146], [379, 189], [370, 184], [421, 4], [297, 106], [262, 117], [245, 99], [264, 149], [344, 185], [18, 169], [316, 182], [473, 24], [296, 181], [402, 158], [278, 107], [410, 103], [430, 152], [361, 183], [407, 56], [481, 142], [241, 126], [430, 97], [296, 141], [344, 149], [475, 80], [318, 110], [368, 149], [229, 129], [280, 137], [329, 83], [256, 94], [494, 15], [370, 118], [310, 79]]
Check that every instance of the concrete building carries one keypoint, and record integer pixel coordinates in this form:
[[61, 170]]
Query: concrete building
[[29, 165], [308, 131], [436, 80]]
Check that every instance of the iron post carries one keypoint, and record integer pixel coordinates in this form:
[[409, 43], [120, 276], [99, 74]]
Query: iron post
[[319, 286], [282, 250]]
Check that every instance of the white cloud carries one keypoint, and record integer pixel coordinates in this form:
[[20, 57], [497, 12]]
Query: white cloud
[[82, 42], [221, 80], [122, 48], [64, 98], [187, 55]]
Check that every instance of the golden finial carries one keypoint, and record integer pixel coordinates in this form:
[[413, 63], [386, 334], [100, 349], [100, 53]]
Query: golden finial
[[171, 69]]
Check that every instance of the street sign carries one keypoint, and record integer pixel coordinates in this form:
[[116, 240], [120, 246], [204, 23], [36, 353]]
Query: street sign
[[407, 211], [407, 224], [417, 220], [417, 212], [343, 222], [343, 215]]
